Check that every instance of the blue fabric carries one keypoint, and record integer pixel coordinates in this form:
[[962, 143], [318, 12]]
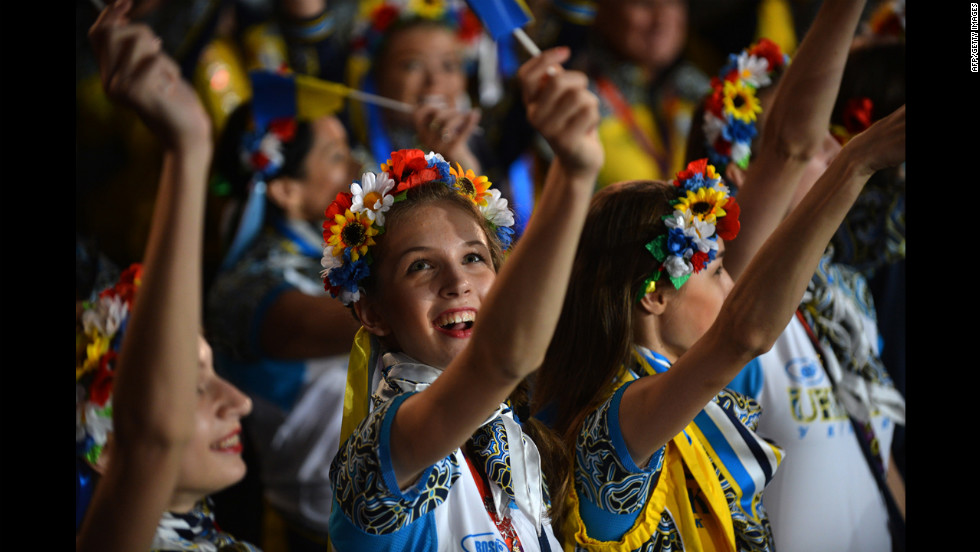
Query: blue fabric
[[277, 381], [500, 17], [749, 380], [603, 524], [253, 215]]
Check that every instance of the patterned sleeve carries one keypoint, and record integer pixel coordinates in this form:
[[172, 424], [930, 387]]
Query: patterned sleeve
[[368, 505], [612, 489], [873, 233]]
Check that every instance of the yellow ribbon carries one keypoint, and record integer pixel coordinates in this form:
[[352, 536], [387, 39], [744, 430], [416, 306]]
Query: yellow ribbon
[[356, 392]]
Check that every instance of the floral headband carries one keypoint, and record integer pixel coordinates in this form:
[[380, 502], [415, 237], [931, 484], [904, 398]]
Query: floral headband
[[703, 212], [732, 107], [857, 118], [262, 148], [355, 218], [96, 347], [379, 18]]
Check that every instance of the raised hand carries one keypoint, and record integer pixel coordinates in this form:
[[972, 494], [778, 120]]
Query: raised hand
[[445, 130], [882, 145], [136, 72], [561, 107]]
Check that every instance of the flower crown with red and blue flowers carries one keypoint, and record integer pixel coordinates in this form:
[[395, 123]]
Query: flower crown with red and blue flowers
[[378, 18], [732, 107], [355, 218], [96, 347], [703, 212]]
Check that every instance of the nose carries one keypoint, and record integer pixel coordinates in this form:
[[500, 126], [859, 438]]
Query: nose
[[455, 282], [232, 402]]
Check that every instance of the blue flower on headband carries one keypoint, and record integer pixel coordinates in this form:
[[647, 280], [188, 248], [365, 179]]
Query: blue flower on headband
[[506, 235], [347, 275], [739, 131]]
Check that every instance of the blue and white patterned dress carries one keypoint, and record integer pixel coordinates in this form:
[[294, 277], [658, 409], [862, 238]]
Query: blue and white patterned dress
[[706, 483], [444, 509]]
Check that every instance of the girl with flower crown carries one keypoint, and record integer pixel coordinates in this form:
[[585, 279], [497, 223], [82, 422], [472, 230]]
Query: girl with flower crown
[[276, 333], [417, 53], [824, 377], [156, 430], [444, 460], [652, 329]]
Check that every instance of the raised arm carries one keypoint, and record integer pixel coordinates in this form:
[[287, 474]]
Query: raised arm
[[795, 130], [654, 409], [521, 311], [156, 375]]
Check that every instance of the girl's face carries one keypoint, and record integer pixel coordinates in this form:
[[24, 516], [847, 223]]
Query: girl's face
[[327, 167], [213, 458], [422, 64], [693, 308], [433, 274]]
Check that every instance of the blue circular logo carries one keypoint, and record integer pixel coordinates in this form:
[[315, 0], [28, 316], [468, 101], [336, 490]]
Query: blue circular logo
[[804, 371]]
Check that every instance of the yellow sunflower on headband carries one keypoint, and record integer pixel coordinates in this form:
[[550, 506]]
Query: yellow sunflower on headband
[[705, 203], [740, 101]]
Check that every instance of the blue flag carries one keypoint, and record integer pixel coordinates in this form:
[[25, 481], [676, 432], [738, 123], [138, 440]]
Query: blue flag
[[501, 17]]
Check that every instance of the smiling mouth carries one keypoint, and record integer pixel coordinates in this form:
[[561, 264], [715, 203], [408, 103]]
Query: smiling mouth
[[231, 443], [456, 323]]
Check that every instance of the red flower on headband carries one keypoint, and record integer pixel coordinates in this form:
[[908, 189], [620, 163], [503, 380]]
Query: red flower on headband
[[409, 169], [715, 101], [857, 114], [699, 259], [101, 386], [727, 227], [694, 167], [340, 204], [284, 128], [769, 50], [469, 26], [125, 288], [383, 16]]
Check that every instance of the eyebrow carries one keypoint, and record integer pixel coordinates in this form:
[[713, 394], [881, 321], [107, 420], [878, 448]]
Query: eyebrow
[[423, 248]]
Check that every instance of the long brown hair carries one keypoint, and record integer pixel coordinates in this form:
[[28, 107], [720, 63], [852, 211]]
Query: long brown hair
[[594, 336]]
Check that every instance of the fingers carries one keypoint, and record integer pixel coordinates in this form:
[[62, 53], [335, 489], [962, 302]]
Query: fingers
[[534, 71], [127, 50], [442, 128], [557, 99]]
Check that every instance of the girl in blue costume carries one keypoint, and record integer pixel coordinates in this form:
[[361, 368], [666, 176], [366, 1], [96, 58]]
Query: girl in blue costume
[[156, 430], [652, 330], [276, 333], [442, 462]]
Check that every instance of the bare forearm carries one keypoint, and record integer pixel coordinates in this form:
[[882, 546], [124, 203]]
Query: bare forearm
[[800, 115], [160, 352], [795, 128]]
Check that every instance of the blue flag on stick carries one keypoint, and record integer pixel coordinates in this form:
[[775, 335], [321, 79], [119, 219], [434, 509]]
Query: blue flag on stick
[[501, 17]]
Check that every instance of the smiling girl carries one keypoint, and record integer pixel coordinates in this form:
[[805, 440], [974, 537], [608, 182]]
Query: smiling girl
[[653, 328], [442, 461], [156, 430]]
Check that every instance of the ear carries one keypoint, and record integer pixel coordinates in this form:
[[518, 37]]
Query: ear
[[654, 302], [370, 318], [734, 174], [102, 463], [285, 193]]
